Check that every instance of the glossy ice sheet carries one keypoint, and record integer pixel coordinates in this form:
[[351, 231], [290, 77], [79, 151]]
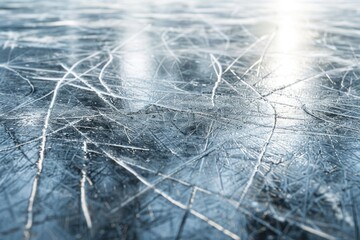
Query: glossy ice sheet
[[179, 119]]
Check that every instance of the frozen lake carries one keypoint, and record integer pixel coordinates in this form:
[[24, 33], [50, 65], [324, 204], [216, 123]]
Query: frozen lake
[[179, 119]]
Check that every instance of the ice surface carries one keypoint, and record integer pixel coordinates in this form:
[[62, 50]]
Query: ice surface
[[179, 119]]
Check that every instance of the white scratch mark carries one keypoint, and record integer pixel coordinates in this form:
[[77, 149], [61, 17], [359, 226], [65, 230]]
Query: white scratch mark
[[40, 162], [102, 73], [84, 206], [219, 73]]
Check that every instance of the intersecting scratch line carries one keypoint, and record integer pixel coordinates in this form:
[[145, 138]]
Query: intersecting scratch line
[[164, 195], [264, 148], [244, 52], [95, 90], [102, 73], [192, 198], [39, 138], [49, 93], [32, 89], [171, 200], [190, 203], [40, 162], [163, 176]]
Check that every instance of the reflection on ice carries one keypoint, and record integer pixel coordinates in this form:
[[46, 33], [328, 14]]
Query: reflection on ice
[[291, 38], [137, 71]]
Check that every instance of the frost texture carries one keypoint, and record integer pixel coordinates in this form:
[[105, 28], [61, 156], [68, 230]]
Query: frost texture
[[179, 119]]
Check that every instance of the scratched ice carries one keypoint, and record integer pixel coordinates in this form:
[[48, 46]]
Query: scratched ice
[[179, 119]]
